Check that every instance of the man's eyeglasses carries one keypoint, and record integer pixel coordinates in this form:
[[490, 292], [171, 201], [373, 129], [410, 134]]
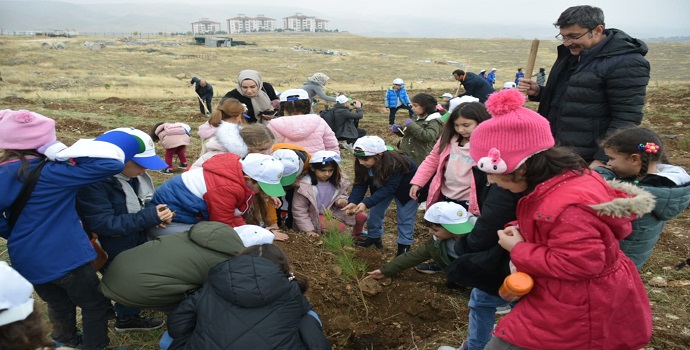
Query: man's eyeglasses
[[572, 37]]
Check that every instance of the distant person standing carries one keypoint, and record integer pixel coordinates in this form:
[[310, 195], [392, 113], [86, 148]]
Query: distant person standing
[[397, 98], [541, 77], [482, 73], [205, 92], [491, 77], [314, 87], [474, 85], [518, 75], [597, 85]]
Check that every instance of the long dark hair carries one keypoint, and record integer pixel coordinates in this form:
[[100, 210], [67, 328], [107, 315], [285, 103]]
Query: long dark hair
[[334, 179], [276, 255], [22, 155], [25, 334], [387, 164], [468, 110], [547, 164], [298, 107], [630, 140], [154, 136]]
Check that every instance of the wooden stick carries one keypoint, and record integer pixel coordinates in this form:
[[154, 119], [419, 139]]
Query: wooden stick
[[204, 102], [532, 58]]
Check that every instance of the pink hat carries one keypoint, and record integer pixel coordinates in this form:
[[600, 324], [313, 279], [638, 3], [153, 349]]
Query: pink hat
[[25, 130], [501, 144]]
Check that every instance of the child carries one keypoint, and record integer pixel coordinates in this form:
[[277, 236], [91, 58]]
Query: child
[[446, 221], [387, 175], [118, 209], [174, 137], [519, 75], [21, 326], [299, 127], [240, 140], [587, 293], [420, 134], [47, 244], [396, 98], [450, 159], [229, 110], [445, 100], [273, 314], [222, 190], [324, 188], [635, 156]]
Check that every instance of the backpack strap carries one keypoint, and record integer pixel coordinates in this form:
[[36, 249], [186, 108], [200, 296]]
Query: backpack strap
[[29, 184]]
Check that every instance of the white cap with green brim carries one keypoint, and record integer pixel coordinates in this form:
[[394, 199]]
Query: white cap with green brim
[[266, 170], [452, 216], [291, 164]]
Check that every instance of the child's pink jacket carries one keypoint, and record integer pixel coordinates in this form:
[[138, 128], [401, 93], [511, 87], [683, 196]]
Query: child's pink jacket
[[173, 135]]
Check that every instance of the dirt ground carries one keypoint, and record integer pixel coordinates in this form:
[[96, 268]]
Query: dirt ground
[[413, 310]]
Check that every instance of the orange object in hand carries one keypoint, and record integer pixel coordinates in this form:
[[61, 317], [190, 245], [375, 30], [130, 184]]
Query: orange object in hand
[[515, 286]]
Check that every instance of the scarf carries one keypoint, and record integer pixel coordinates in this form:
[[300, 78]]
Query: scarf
[[261, 102], [135, 202]]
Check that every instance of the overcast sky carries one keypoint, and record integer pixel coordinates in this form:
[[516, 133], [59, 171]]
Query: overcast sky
[[451, 18]]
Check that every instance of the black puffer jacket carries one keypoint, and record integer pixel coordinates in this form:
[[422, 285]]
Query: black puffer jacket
[[605, 92], [476, 86], [247, 303]]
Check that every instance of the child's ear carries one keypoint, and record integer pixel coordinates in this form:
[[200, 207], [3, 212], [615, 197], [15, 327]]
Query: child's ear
[[636, 159]]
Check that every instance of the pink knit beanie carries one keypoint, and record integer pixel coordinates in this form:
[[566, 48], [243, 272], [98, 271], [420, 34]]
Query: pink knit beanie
[[23, 130], [501, 144]]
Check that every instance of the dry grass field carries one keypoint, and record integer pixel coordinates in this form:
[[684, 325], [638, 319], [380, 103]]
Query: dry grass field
[[139, 84]]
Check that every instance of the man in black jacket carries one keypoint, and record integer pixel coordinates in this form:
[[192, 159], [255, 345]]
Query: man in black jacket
[[474, 85], [597, 84], [344, 122], [205, 92]]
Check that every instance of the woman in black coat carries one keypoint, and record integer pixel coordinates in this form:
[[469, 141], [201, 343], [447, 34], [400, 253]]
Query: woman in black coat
[[260, 97]]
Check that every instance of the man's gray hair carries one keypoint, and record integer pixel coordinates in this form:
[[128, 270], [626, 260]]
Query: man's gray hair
[[585, 16]]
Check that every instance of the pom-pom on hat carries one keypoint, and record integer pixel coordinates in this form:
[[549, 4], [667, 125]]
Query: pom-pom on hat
[[15, 296], [501, 144], [24, 130]]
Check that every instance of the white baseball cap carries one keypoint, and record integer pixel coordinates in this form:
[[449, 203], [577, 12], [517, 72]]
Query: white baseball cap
[[254, 235], [148, 158], [452, 216], [294, 95], [342, 99], [291, 164], [455, 102], [398, 81], [324, 156], [266, 170], [493, 68], [449, 95], [369, 146], [482, 71], [16, 303], [509, 85]]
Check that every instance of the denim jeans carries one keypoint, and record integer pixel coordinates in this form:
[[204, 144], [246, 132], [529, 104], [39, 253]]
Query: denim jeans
[[406, 217], [79, 287], [393, 110], [482, 318]]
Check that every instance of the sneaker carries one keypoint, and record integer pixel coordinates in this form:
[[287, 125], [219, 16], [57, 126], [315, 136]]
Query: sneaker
[[422, 206], [167, 171], [346, 146], [138, 323], [182, 166], [502, 310], [429, 267], [72, 343], [371, 241], [462, 347]]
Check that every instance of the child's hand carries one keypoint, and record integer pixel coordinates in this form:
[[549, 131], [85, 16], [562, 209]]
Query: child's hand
[[165, 215], [352, 208], [275, 201], [413, 191], [376, 274], [341, 202], [395, 128], [349, 208], [509, 237], [408, 122]]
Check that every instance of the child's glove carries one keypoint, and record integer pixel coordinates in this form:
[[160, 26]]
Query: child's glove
[[51, 149], [395, 128], [408, 122]]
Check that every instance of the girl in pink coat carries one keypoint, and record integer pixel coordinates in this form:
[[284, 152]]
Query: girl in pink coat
[[450, 159], [174, 137], [587, 294], [324, 188], [300, 128]]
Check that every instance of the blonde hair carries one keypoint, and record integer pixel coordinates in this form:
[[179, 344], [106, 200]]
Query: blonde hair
[[229, 109], [256, 135]]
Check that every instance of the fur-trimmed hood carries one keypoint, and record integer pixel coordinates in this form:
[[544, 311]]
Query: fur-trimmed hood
[[227, 139], [641, 202]]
